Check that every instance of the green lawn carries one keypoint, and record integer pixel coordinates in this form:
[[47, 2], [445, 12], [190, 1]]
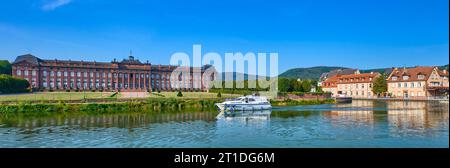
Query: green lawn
[[42, 96], [54, 96], [191, 95]]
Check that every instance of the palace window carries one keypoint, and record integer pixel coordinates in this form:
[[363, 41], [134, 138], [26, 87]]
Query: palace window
[[19, 72], [44, 73], [25, 72], [65, 73], [412, 84], [85, 74], [52, 73], [72, 74], [33, 73], [58, 73]]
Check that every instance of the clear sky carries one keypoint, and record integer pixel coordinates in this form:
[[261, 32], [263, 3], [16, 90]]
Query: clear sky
[[352, 33]]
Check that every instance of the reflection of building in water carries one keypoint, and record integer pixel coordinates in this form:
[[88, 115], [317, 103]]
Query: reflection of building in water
[[351, 117], [406, 104], [415, 114], [357, 103], [118, 120]]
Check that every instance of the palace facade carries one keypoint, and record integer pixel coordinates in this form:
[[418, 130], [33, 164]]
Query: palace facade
[[127, 75]]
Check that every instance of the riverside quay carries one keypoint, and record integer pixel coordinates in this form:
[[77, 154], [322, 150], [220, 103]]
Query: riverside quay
[[127, 75]]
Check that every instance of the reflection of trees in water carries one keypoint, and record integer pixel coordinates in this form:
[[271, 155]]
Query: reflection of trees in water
[[110, 120], [290, 114]]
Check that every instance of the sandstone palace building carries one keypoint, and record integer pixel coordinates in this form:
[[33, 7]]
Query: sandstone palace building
[[127, 75]]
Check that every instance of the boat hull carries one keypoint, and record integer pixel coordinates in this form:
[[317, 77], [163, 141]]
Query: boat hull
[[243, 107]]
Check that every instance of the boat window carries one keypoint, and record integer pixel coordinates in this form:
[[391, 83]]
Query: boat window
[[250, 99]]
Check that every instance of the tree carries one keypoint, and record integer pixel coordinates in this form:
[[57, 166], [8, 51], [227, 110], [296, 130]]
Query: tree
[[379, 85], [5, 67], [306, 86], [180, 94], [284, 85], [296, 85]]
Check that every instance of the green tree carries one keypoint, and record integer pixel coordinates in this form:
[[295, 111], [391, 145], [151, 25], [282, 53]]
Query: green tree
[[379, 85], [306, 86], [284, 85], [5, 67], [296, 85], [180, 94]]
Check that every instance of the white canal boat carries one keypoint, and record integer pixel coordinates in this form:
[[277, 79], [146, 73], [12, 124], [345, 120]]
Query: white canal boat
[[246, 103]]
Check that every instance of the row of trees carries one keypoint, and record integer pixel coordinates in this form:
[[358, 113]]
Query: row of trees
[[9, 84], [294, 85]]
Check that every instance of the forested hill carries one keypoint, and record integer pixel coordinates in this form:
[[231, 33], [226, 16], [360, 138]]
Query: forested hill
[[308, 73]]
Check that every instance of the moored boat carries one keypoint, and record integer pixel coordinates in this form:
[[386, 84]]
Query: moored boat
[[245, 103]]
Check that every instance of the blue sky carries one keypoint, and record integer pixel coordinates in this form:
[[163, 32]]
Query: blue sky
[[352, 33]]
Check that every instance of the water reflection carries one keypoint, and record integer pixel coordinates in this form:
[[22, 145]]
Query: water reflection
[[417, 115], [259, 118], [346, 117], [359, 124], [105, 121]]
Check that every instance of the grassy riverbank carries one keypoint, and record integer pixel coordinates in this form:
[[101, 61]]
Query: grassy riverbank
[[73, 96], [151, 105]]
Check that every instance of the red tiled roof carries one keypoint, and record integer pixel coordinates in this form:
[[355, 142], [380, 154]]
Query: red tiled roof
[[358, 78], [412, 73], [331, 82]]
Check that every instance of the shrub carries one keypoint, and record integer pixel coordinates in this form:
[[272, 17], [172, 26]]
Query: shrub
[[9, 84], [219, 94], [180, 94]]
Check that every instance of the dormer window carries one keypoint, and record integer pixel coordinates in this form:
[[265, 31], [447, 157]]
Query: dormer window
[[421, 76], [394, 78], [405, 77]]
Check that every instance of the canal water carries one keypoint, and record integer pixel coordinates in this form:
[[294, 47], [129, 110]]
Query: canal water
[[385, 124]]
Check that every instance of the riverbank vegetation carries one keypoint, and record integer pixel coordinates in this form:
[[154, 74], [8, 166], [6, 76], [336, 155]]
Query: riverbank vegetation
[[151, 105]]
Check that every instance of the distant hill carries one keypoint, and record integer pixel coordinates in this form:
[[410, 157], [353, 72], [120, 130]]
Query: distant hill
[[232, 76], [308, 73], [315, 72]]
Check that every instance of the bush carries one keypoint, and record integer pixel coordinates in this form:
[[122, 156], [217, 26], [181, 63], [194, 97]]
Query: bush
[[180, 94], [9, 84], [67, 90], [219, 94]]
